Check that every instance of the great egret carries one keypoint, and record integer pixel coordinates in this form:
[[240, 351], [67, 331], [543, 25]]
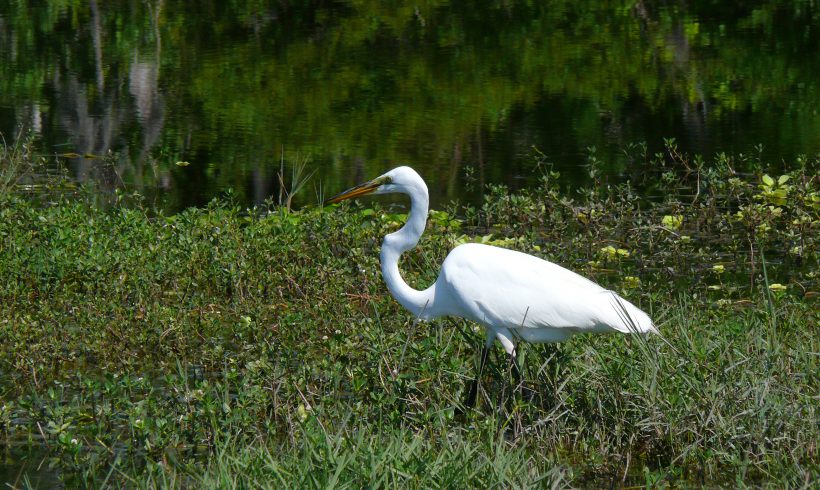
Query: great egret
[[512, 294]]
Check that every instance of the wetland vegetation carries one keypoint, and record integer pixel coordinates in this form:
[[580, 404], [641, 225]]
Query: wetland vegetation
[[233, 346]]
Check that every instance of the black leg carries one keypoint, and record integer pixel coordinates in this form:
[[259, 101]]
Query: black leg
[[516, 371], [548, 396], [473, 393], [518, 379]]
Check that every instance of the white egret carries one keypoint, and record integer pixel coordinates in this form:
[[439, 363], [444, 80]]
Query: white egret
[[515, 296]]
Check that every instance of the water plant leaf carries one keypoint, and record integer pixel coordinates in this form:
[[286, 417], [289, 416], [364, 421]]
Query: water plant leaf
[[672, 222]]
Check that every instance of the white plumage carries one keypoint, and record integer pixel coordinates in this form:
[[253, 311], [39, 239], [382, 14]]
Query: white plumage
[[534, 299], [512, 294]]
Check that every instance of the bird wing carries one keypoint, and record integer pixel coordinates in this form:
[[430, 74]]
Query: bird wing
[[504, 288]]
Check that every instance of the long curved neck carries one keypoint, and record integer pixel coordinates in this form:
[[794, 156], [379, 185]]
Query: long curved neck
[[420, 303]]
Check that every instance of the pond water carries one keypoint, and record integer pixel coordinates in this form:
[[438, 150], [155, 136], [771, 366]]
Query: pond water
[[28, 467], [462, 93]]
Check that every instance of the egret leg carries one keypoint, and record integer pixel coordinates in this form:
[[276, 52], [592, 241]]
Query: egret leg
[[516, 369], [552, 365], [518, 379], [473, 393], [505, 336]]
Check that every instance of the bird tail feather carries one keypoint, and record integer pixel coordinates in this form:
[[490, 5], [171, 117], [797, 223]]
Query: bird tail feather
[[634, 320]]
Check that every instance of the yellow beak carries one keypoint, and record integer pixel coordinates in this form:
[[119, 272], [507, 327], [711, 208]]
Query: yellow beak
[[360, 190]]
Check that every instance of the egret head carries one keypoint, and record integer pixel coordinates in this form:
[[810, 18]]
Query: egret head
[[400, 179]]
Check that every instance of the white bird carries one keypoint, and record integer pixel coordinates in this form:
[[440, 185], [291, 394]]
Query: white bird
[[515, 296]]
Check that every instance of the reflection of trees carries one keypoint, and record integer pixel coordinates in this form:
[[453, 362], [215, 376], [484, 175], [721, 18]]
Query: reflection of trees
[[458, 71], [91, 130], [97, 116], [143, 83], [362, 84], [693, 105]]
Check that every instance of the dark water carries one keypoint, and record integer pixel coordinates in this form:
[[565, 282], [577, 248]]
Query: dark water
[[28, 467], [461, 91]]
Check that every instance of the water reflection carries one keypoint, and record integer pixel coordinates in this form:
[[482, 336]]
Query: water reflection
[[461, 93], [28, 467]]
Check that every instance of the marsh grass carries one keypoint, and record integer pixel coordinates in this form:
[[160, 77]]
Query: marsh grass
[[298, 179], [390, 459], [17, 163], [226, 347]]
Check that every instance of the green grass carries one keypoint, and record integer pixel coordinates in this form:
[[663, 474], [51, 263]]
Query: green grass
[[227, 347]]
